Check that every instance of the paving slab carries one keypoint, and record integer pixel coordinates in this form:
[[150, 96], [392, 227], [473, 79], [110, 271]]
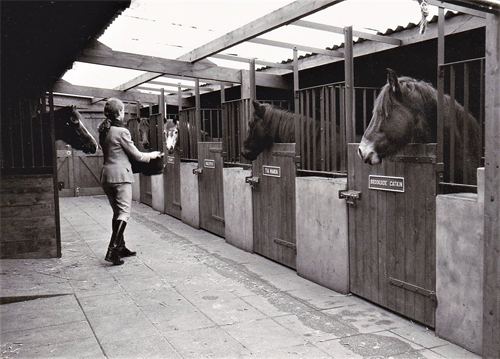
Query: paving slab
[[187, 294]]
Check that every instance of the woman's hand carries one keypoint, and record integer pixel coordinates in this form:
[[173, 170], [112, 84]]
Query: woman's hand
[[155, 154]]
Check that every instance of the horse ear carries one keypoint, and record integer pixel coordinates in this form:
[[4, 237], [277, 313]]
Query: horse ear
[[392, 80], [259, 110]]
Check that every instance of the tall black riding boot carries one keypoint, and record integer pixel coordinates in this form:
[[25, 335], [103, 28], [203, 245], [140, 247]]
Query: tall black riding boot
[[115, 242], [122, 250]]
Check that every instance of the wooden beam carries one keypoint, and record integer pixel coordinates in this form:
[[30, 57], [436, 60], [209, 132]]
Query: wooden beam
[[257, 61], [102, 55], [287, 45], [454, 25], [461, 9], [65, 87], [485, 6], [137, 81], [491, 289], [172, 84], [271, 21], [340, 30], [158, 90]]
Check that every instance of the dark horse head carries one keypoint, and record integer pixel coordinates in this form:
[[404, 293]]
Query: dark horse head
[[144, 131], [171, 133], [268, 125], [406, 111], [70, 129]]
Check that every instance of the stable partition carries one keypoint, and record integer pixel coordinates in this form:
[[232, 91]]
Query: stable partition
[[459, 267], [190, 197], [238, 208], [322, 241]]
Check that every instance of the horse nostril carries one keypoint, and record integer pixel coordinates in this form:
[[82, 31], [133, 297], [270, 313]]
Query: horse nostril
[[360, 153], [368, 158]]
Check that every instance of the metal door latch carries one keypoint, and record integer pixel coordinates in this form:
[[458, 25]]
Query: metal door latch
[[350, 196], [198, 171], [253, 181]]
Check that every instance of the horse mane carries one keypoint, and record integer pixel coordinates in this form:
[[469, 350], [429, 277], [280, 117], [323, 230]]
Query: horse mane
[[281, 123], [421, 98]]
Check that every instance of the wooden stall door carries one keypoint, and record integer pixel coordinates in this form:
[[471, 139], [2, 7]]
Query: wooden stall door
[[392, 231], [172, 184], [210, 179], [78, 174], [155, 144], [274, 204]]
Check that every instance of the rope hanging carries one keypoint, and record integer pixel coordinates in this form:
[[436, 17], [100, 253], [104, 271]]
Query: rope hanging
[[424, 9]]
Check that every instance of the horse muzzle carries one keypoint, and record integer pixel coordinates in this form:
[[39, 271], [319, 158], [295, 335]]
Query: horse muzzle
[[366, 152], [248, 155]]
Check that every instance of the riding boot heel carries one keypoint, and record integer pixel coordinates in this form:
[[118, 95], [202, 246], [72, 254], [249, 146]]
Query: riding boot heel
[[113, 257]]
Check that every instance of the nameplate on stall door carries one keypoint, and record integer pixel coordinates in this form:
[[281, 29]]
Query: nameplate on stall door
[[209, 164], [271, 171], [386, 183], [170, 160]]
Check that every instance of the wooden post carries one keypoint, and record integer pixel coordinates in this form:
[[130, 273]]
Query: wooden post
[[54, 174], [159, 126], [198, 109], [246, 85], [179, 99], [440, 87], [298, 144], [491, 291], [253, 89], [225, 120], [349, 86]]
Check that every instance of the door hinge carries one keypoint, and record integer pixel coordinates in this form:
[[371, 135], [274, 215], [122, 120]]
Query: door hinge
[[414, 288], [284, 243]]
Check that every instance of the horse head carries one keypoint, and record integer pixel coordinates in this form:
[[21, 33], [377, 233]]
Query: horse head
[[259, 136], [144, 131], [70, 129], [400, 115], [171, 133]]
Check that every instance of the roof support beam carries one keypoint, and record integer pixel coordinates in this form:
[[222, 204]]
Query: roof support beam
[[287, 45], [172, 84], [257, 61], [271, 21], [102, 55], [340, 30], [65, 87], [466, 6]]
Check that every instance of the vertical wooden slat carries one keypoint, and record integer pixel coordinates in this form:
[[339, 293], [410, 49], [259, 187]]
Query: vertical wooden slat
[[343, 139], [465, 130], [313, 145], [327, 134], [452, 124]]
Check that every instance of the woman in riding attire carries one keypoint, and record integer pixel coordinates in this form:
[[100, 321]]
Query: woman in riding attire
[[116, 173]]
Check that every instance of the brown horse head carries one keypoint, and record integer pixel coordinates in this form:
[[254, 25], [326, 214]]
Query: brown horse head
[[404, 112], [70, 129]]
